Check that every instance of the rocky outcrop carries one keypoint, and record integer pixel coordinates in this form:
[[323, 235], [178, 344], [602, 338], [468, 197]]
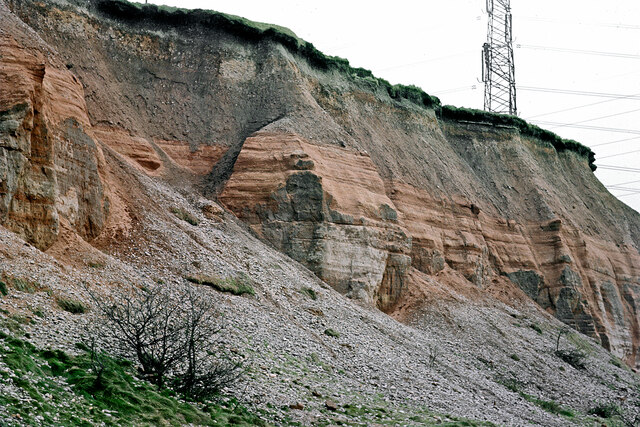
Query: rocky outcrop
[[325, 207], [48, 164], [199, 159]]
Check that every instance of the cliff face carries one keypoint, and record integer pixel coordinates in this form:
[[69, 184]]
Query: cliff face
[[377, 196], [48, 164], [326, 207]]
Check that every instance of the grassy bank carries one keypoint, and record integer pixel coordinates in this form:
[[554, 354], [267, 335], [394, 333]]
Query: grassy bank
[[50, 387]]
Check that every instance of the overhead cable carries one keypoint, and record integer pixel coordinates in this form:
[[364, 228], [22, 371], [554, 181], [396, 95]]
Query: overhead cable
[[439, 58], [618, 154], [564, 22], [598, 118], [580, 92], [580, 51], [458, 89], [577, 126], [619, 168], [576, 107], [614, 142]]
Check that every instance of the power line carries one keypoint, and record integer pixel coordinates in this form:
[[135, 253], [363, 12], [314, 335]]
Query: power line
[[575, 108], [598, 118], [614, 142], [619, 154], [577, 126], [579, 51], [580, 92], [619, 168], [598, 24], [614, 187], [424, 61], [453, 90], [625, 183], [630, 192]]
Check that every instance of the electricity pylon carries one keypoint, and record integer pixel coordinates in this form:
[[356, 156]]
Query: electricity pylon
[[498, 70]]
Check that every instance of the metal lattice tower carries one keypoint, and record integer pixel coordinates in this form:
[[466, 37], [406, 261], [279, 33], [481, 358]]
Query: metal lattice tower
[[498, 70]]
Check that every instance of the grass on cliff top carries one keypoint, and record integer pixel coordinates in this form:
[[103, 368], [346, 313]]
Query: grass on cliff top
[[53, 388], [254, 31], [450, 112]]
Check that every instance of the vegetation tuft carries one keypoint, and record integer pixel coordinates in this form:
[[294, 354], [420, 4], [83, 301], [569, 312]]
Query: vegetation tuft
[[94, 264], [332, 333], [548, 405], [19, 284], [185, 216], [310, 293], [575, 358], [73, 306], [536, 328], [605, 410], [238, 285], [616, 362]]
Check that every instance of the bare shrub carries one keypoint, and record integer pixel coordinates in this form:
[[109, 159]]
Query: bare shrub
[[172, 337], [434, 352], [573, 357]]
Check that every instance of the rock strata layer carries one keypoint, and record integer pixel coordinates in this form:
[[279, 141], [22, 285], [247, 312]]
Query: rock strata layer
[[325, 207]]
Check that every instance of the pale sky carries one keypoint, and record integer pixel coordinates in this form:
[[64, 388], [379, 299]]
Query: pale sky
[[437, 45]]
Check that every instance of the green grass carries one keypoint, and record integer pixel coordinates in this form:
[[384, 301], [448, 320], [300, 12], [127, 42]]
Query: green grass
[[548, 405], [332, 333], [93, 264], [185, 216], [616, 362], [240, 284], [573, 357], [19, 284], [310, 293], [536, 328], [449, 112], [605, 410], [71, 305], [58, 389], [38, 312]]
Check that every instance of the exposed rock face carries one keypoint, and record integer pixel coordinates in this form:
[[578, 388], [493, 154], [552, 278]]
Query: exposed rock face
[[567, 272], [200, 160], [377, 196], [325, 207], [48, 165]]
